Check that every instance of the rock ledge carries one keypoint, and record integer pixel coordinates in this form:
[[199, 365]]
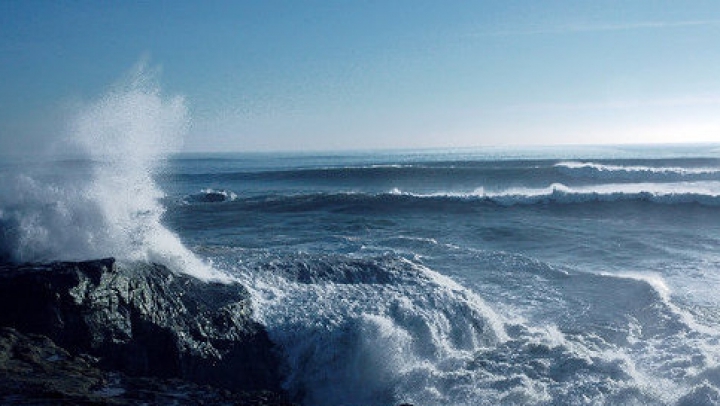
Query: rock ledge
[[143, 320]]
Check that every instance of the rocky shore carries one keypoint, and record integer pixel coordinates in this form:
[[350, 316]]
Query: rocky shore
[[103, 332]]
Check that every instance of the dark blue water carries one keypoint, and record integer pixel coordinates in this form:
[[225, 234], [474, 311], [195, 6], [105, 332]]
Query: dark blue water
[[554, 276]]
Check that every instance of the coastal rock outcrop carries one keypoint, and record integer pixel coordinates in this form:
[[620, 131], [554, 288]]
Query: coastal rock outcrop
[[143, 320], [35, 371]]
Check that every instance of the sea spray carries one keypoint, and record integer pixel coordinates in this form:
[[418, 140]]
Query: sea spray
[[369, 331], [113, 209]]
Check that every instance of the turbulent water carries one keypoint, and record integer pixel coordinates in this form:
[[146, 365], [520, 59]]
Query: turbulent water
[[549, 276], [585, 276], [103, 201]]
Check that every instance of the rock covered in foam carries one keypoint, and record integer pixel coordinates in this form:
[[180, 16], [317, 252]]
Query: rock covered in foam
[[143, 319]]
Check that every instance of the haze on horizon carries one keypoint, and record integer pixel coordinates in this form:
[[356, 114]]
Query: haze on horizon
[[317, 75]]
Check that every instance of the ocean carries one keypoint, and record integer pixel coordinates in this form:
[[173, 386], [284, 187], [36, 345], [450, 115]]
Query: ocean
[[545, 276], [585, 276]]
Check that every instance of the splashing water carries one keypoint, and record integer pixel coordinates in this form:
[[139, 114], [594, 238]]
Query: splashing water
[[369, 331], [113, 210]]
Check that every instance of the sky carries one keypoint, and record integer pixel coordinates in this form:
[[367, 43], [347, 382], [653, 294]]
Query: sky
[[365, 74]]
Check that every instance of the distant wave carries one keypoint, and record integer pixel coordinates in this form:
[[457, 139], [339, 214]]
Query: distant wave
[[705, 193], [379, 174], [464, 176], [702, 193], [635, 172]]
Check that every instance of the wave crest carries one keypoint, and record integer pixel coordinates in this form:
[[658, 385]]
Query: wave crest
[[359, 328], [704, 193], [113, 209], [595, 170]]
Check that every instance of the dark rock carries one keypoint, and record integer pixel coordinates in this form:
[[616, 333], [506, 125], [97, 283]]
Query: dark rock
[[212, 196], [35, 371], [143, 320]]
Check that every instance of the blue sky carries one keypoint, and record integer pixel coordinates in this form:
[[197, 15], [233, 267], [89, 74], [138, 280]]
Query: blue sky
[[317, 75]]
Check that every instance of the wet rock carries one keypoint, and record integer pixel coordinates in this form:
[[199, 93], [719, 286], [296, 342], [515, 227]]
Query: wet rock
[[142, 320], [35, 371]]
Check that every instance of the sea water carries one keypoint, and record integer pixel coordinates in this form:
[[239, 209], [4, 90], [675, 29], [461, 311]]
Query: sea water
[[549, 276]]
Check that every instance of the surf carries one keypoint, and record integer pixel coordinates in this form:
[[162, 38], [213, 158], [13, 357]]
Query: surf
[[704, 193], [606, 171], [370, 331], [112, 207]]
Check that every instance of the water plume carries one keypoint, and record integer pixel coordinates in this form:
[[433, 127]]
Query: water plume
[[112, 208]]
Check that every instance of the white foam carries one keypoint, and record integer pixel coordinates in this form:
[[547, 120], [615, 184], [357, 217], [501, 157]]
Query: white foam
[[661, 288], [635, 172], [369, 331], [702, 192], [638, 168], [124, 135]]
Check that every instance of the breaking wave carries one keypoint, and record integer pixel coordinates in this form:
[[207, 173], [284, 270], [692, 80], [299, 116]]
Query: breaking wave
[[705, 193], [636, 172], [370, 331], [386, 330], [111, 207]]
